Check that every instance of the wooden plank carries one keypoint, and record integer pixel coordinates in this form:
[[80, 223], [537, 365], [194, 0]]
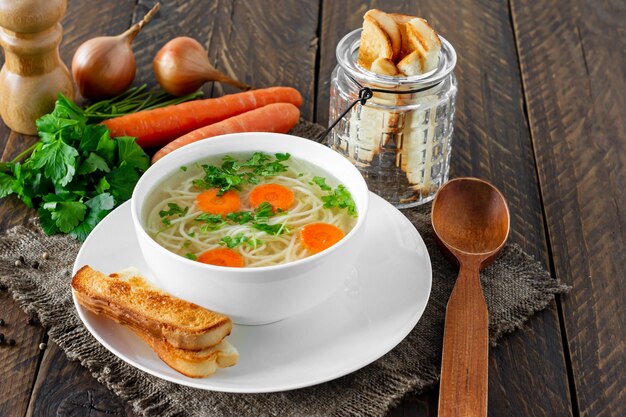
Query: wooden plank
[[491, 141], [69, 390], [573, 68], [268, 44], [18, 366]]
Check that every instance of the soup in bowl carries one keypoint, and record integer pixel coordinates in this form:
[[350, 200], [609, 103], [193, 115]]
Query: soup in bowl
[[258, 226]]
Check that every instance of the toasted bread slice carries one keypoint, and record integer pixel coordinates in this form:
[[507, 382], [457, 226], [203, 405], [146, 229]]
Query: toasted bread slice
[[194, 364], [132, 301], [423, 40], [391, 28], [384, 67], [375, 43], [401, 20], [412, 64]]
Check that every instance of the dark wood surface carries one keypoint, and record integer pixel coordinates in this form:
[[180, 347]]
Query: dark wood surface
[[540, 114]]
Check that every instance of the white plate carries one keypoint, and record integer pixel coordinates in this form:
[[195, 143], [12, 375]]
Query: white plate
[[380, 303]]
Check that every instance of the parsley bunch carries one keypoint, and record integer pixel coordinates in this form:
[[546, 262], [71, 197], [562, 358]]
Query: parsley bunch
[[76, 173]]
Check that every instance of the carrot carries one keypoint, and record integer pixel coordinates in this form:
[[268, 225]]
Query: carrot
[[278, 196], [221, 257], [278, 117], [209, 202], [157, 127], [319, 236]]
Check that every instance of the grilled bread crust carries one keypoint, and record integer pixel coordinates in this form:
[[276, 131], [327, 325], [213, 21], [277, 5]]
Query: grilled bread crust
[[194, 364], [133, 302]]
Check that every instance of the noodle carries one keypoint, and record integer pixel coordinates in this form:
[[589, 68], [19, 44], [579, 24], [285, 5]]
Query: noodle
[[184, 235]]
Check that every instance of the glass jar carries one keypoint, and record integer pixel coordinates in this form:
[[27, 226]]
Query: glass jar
[[400, 139]]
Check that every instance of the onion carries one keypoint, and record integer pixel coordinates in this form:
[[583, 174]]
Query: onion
[[104, 67], [182, 66]]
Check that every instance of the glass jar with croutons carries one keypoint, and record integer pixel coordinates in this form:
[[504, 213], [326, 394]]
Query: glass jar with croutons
[[395, 79]]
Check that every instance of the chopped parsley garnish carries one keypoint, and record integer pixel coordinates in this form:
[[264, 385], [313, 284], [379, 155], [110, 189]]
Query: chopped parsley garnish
[[211, 222], [240, 239], [240, 217], [338, 197], [233, 174], [271, 229], [183, 168], [321, 182], [191, 256], [174, 211]]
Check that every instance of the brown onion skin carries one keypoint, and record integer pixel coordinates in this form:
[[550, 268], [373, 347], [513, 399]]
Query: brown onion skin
[[103, 67], [175, 71]]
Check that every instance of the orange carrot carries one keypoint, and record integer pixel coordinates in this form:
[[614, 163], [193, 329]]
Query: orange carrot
[[278, 117], [319, 236], [221, 257], [157, 127], [209, 202], [278, 196]]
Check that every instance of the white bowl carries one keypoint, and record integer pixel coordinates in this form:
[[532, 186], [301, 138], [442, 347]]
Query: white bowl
[[253, 295]]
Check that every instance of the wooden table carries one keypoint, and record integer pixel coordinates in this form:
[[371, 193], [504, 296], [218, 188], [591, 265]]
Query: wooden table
[[540, 113]]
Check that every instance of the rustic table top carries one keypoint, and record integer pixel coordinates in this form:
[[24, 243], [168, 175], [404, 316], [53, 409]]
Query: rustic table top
[[540, 113]]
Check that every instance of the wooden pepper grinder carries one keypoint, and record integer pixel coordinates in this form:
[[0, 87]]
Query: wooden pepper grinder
[[33, 73]]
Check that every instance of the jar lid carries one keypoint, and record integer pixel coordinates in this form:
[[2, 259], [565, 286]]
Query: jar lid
[[347, 56]]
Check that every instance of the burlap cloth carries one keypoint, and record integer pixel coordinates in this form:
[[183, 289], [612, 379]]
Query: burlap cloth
[[515, 287]]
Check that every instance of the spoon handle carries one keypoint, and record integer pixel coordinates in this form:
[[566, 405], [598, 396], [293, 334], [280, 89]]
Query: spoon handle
[[464, 363]]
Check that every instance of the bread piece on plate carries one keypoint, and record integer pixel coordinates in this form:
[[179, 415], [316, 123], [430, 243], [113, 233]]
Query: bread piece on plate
[[194, 364], [130, 300], [391, 28], [375, 43], [423, 40], [384, 67]]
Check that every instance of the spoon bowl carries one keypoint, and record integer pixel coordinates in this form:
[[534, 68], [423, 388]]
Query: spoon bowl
[[471, 221], [471, 217]]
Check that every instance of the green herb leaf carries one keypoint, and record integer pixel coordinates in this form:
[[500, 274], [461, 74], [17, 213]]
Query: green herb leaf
[[131, 153], [240, 217], [191, 256], [183, 168], [271, 229], [174, 210], [66, 215], [102, 185], [321, 182], [340, 197], [209, 218], [99, 206], [263, 212], [93, 163], [106, 148], [6, 184], [122, 181], [58, 160], [239, 239]]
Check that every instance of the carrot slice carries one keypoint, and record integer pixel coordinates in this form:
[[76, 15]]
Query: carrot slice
[[319, 236], [209, 202], [221, 257], [278, 196]]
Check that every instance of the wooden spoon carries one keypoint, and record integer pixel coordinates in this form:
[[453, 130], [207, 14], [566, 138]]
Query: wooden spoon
[[471, 221]]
